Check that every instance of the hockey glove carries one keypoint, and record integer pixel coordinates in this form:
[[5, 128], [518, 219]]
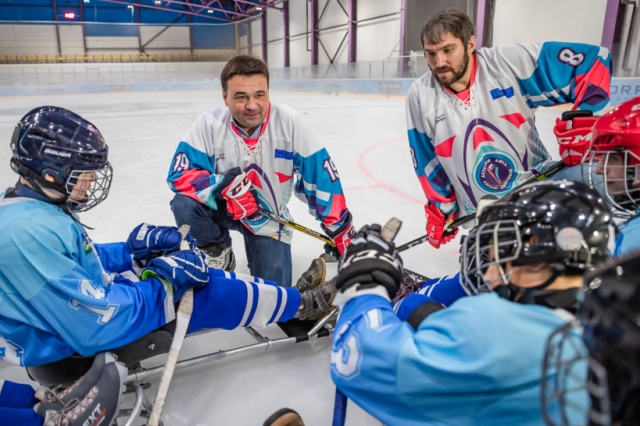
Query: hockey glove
[[147, 241], [184, 269], [370, 262], [235, 190], [574, 135], [341, 237], [436, 221]]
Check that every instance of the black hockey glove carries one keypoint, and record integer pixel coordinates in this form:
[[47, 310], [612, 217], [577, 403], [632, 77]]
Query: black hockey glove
[[370, 261]]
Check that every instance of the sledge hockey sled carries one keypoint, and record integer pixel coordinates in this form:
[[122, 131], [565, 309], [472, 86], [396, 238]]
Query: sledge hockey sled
[[66, 371]]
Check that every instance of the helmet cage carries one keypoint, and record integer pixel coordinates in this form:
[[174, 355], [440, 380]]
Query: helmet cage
[[88, 188], [568, 375], [492, 243], [624, 197]]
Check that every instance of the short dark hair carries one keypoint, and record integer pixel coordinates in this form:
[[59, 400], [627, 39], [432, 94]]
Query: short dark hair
[[452, 21], [243, 65]]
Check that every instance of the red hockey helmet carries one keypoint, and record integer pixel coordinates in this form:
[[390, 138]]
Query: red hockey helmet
[[615, 155]]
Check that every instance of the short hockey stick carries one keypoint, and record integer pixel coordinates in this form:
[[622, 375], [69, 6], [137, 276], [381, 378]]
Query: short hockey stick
[[388, 233], [182, 324], [464, 219]]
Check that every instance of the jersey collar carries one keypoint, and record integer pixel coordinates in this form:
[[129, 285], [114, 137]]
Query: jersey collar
[[251, 142]]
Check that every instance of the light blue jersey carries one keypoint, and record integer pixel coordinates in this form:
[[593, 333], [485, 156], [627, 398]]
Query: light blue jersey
[[477, 362], [61, 294], [629, 238]]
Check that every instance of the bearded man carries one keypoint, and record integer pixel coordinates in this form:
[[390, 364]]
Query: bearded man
[[471, 118]]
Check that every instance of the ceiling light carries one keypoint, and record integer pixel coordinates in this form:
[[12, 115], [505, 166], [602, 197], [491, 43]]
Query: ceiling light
[[258, 8], [210, 11]]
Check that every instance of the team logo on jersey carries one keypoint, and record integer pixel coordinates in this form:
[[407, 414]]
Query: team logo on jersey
[[87, 243], [495, 172], [570, 57]]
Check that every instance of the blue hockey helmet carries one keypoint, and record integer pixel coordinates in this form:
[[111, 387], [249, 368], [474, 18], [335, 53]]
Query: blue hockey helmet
[[57, 150]]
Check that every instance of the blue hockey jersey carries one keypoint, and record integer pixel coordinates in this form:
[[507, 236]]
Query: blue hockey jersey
[[628, 240], [477, 362], [60, 293]]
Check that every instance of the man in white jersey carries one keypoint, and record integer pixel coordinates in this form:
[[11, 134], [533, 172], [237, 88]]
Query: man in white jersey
[[471, 117], [253, 154]]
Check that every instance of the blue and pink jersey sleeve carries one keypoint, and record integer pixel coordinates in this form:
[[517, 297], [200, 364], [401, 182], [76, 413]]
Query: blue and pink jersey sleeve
[[318, 182], [192, 170]]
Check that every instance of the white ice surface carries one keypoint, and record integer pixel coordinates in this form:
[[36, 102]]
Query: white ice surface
[[366, 137]]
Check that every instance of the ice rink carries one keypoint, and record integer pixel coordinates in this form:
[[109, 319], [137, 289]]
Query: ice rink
[[365, 136]]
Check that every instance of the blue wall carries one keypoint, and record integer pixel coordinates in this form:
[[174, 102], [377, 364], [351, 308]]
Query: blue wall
[[95, 11]]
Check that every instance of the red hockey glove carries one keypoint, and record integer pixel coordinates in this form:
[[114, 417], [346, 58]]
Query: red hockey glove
[[436, 221], [341, 236], [236, 192], [574, 138], [242, 206]]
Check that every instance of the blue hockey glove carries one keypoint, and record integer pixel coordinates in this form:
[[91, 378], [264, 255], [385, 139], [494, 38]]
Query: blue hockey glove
[[370, 261], [147, 241], [184, 269]]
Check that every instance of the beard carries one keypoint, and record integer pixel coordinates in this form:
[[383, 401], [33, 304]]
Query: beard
[[457, 73]]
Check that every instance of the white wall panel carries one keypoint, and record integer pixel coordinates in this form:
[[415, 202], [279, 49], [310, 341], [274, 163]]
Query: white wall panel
[[28, 40], [376, 39], [520, 21], [118, 44], [256, 28], [71, 40], [275, 54], [175, 37]]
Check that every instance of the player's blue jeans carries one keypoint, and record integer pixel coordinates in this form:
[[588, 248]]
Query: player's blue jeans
[[580, 173], [268, 258]]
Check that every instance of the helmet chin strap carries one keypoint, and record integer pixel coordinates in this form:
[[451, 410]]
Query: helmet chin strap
[[531, 295], [40, 184]]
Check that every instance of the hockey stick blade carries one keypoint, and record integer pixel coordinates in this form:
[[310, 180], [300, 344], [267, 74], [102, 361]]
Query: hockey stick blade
[[182, 324], [391, 229]]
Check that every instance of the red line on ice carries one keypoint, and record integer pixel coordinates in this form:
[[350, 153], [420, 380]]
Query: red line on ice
[[372, 178]]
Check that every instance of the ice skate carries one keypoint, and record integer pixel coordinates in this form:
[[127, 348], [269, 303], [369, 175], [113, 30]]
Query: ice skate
[[316, 301], [313, 276], [220, 258]]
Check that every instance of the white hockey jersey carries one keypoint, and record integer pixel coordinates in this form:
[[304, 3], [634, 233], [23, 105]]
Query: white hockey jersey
[[489, 144], [286, 158]]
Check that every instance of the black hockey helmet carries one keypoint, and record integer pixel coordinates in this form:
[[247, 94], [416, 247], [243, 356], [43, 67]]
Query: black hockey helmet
[[564, 223], [56, 149], [610, 324]]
